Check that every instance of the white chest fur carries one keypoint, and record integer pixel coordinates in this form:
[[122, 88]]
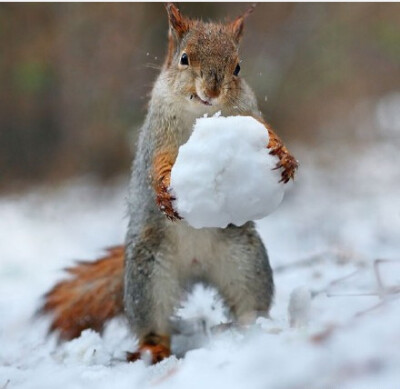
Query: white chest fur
[[196, 250]]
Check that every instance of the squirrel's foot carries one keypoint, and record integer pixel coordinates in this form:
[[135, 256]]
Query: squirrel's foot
[[154, 348], [288, 164], [155, 353], [164, 202]]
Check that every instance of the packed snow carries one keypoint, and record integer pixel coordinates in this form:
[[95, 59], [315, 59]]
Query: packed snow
[[225, 174], [334, 246]]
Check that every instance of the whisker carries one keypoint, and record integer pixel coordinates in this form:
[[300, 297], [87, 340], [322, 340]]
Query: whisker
[[153, 66]]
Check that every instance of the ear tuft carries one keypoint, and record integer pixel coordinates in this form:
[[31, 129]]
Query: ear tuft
[[177, 22], [238, 24]]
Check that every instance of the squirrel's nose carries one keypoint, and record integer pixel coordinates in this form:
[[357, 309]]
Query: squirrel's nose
[[213, 85], [212, 93]]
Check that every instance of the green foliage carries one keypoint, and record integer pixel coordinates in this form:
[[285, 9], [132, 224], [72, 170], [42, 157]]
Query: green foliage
[[387, 38], [31, 77]]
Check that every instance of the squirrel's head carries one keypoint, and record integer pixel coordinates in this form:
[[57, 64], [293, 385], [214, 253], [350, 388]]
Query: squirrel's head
[[203, 58]]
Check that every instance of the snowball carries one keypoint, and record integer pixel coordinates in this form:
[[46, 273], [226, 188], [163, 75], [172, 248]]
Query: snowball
[[224, 173]]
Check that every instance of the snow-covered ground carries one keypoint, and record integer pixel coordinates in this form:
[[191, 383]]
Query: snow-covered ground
[[326, 238]]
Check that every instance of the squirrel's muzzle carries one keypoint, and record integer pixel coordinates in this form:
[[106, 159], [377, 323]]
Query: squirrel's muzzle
[[212, 84]]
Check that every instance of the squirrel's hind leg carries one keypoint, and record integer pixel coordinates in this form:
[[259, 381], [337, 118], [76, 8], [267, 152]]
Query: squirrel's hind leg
[[244, 276], [152, 291]]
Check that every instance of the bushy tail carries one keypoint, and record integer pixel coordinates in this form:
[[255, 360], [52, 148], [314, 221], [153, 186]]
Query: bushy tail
[[93, 295]]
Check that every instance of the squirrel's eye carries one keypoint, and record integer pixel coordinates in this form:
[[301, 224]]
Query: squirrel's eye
[[237, 70], [184, 59]]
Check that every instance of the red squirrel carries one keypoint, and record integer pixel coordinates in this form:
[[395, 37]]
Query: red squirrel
[[144, 278]]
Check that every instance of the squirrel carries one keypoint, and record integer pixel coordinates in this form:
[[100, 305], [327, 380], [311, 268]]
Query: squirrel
[[162, 255]]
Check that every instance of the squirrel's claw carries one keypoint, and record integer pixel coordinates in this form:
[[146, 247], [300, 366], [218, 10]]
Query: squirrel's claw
[[289, 165], [287, 162], [164, 201], [276, 147]]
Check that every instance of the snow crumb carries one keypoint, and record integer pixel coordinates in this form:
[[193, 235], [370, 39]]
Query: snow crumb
[[388, 113], [88, 349], [224, 173], [299, 307], [198, 314]]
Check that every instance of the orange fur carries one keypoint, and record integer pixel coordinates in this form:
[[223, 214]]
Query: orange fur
[[162, 166], [159, 347], [237, 25], [92, 296], [286, 160], [179, 25], [157, 352]]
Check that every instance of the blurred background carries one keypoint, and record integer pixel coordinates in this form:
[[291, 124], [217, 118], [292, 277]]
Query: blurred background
[[75, 79]]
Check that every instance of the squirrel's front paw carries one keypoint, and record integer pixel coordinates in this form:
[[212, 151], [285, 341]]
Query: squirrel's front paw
[[289, 165], [164, 201]]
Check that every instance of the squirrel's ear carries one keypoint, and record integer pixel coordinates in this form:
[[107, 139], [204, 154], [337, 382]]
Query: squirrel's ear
[[237, 25], [178, 23]]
